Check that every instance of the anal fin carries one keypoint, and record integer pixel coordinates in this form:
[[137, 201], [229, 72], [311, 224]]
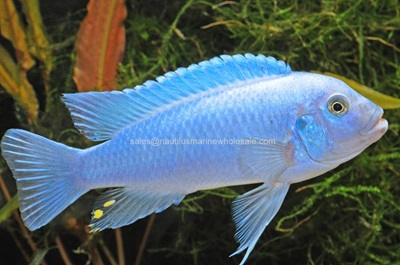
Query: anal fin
[[123, 206], [253, 211]]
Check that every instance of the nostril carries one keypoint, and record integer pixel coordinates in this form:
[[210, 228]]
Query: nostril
[[363, 106]]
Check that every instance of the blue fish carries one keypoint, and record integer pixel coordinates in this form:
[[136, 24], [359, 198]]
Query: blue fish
[[232, 120]]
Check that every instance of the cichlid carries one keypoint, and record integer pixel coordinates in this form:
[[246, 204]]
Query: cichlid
[[232, 120]]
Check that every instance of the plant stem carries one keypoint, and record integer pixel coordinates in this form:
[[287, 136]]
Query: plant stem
[[144, 239], [63, 253], [120, 246]]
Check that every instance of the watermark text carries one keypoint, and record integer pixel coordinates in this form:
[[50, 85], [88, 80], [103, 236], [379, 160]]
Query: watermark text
[[199, 141]]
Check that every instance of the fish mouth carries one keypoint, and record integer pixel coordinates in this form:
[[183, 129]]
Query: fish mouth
[[376, 125]]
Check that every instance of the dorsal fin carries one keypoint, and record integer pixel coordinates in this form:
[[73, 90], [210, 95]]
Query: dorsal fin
[[99, 115]]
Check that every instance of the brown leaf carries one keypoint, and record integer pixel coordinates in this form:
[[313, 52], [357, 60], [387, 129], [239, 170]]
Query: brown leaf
[[100, 45], [11, 28]]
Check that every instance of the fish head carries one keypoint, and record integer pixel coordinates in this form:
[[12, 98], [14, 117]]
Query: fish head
[[338, 123]]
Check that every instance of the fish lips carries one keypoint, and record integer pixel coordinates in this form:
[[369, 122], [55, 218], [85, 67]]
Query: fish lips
[[376, 125]]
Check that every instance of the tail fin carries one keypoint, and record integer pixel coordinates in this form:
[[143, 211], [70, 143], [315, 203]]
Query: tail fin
[[44, 173]]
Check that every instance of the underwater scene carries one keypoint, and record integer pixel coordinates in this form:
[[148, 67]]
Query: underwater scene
[[199, 132]]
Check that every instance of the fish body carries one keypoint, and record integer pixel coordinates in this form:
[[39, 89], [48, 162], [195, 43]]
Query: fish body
[[257, 108], [232, 120]]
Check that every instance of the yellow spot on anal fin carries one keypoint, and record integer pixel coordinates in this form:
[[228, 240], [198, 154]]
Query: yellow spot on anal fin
[[97, 214], [109, 203]]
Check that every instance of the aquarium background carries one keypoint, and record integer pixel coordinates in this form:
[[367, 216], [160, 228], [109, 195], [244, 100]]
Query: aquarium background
[[350, 215]]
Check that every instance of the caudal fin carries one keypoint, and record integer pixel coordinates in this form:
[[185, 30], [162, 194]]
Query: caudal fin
[[44, 171]]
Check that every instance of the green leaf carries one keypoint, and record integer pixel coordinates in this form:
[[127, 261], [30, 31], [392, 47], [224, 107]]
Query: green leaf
[[38, 43], [38, 256], [9, 208]]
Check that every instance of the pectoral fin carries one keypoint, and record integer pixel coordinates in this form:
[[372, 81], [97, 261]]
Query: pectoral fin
[[253, 211], [265, 157]]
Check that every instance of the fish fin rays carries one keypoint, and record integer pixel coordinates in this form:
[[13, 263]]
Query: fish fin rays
[[266, 158], [43, 170], [253, 211], [99, 115], [123, 206]]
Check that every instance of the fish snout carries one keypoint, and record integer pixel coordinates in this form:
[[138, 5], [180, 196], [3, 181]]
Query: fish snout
[[376, 124]]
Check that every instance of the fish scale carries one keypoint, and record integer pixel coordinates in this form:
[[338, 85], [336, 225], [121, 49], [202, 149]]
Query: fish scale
[[296, 126], [219, 122]]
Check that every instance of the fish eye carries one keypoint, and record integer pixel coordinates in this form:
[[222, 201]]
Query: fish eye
[[338, 104]]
